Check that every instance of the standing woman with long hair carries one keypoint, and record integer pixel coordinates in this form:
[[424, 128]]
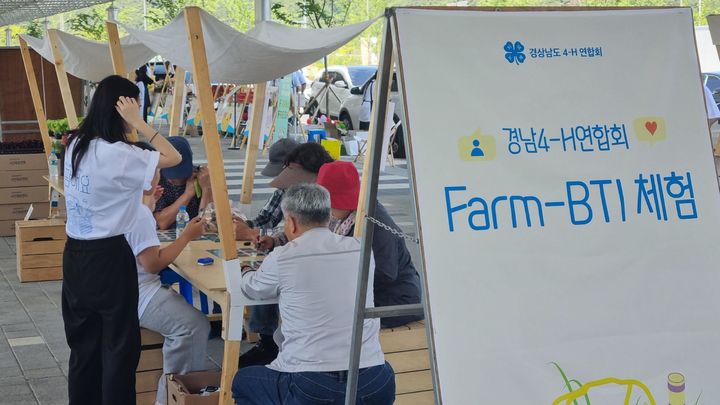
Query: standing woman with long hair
[[142, 81], [104, 180]]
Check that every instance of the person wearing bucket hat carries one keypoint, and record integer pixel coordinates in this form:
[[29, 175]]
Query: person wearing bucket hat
[[396, 280], [183, 184], [300, 166]]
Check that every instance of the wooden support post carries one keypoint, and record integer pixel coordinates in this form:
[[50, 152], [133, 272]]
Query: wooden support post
[[177, 107], [35, 94], [116, 53], [118, 61], [252, 146], [360, 214], [211, 139], [62, 79]]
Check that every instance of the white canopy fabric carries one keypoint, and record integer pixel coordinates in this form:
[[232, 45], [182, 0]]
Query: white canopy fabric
[[265, 53], [90, 60]]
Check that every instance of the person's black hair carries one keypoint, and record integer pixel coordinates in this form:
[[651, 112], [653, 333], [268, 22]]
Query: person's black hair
[[102, 120], [310, 156], [142, 76], [144, 145]]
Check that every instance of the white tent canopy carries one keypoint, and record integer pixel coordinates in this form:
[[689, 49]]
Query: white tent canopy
[[265, 53], [90, 60]]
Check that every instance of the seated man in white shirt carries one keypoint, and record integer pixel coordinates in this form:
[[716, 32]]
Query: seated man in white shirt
[[315, 278]]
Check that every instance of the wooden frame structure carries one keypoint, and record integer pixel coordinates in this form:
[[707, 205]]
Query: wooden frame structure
[[65, 92], [177, 101], [211, 141], [35, 94]]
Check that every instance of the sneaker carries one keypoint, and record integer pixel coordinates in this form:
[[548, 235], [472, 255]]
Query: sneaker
[[264, 352]]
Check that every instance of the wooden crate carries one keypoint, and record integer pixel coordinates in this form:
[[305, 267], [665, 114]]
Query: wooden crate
[[40, 245], [150, 367]]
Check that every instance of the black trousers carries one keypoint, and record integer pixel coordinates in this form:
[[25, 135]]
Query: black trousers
[[99, 307]]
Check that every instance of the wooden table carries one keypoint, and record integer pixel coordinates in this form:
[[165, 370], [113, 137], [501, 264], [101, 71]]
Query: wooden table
[[211, 281]]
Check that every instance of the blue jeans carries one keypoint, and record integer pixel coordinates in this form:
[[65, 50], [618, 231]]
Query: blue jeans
[[264, 319], [263, 386]]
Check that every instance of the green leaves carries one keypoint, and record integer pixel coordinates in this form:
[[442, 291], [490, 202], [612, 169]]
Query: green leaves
[[91, 25]]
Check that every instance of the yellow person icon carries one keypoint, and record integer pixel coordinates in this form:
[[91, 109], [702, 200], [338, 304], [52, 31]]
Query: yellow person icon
[[650, 129], [477, 147]]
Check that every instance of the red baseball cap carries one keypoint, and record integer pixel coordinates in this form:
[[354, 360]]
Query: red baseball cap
[[341, 179]]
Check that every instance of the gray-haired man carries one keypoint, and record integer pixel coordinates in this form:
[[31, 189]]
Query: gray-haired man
[[315, 278]]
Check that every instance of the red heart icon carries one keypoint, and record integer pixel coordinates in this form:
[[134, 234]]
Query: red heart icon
[[651, 126]]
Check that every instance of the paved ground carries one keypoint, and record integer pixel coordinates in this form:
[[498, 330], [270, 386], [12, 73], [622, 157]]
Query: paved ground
[[33, 352]]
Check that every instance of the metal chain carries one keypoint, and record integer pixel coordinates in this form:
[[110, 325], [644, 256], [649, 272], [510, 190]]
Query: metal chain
[[393, 230]]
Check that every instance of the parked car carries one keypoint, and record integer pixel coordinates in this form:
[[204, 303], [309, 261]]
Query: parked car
[[351, 107], [712, 81], [342, 79]]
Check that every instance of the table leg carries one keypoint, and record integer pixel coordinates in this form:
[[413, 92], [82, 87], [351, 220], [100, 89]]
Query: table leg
[[229, 368]]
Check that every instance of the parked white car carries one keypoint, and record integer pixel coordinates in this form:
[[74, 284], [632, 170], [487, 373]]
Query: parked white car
[[342, 79], [352, 106]]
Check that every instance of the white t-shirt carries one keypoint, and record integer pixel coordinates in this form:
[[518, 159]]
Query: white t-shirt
[[102, 199], [366, 107], [142, 235], [315, 280], [141, 97]]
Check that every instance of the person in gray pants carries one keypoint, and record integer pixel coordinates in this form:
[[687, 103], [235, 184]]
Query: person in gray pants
[[161, 309]]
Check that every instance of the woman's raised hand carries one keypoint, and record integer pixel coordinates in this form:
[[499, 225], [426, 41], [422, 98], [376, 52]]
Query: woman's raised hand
[[129, 110]]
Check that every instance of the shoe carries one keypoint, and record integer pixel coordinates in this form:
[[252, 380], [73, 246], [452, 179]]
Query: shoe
[[264, 352]]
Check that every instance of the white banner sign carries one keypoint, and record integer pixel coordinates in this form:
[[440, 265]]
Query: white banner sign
[[568, 203]]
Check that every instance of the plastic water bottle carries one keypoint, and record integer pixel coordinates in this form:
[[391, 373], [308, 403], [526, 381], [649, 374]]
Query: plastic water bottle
[[181, 221], [53, 165]]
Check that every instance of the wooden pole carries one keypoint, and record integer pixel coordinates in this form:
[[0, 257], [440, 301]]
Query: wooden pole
[[178, 91], [118, 61], [372, 132], [35, 94], [116, 53], [253, 143], [211, 140], [65, 92]]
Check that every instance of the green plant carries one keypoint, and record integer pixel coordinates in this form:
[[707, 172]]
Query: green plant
[[58, 127]]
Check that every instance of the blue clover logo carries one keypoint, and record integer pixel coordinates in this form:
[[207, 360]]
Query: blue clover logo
[[514, 53]]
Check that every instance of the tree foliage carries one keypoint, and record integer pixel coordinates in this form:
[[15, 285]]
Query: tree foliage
[[89, 24], [34, 28]]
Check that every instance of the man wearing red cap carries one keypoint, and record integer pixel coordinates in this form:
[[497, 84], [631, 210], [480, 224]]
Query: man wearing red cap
[[396, 280]]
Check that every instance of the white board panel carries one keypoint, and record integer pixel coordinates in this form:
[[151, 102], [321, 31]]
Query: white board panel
[[544, 244]]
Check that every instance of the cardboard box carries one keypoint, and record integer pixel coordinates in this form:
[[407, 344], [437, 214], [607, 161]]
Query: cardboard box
[[18, 211], [18, 195], [33, 161], [23, 178], [184, 389]]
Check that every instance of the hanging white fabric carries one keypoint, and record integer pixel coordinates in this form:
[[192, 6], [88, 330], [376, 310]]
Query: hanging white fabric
[[90, 60], [265, 53]]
